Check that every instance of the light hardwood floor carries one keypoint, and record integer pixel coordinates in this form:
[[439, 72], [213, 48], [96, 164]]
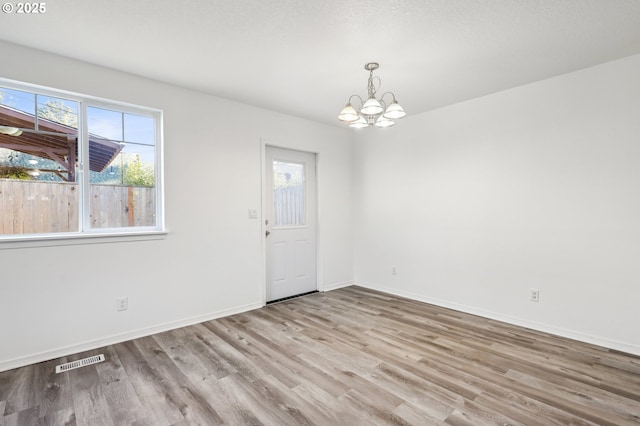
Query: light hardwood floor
[[347, 357]]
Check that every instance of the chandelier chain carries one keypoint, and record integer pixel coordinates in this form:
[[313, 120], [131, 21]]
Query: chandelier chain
[[371, 86]]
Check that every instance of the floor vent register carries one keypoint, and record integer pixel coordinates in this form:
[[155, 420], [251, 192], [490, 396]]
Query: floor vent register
[[79, 363]]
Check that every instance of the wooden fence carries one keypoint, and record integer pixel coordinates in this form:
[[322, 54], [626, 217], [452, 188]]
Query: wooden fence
[[35, 207], [289, 206]]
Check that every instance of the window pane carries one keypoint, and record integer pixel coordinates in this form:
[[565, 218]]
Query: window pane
[[13, 101], [36, 207], [139, 129], [38, 151], [134, 165], [122, 174], [105, 123], [288, 194], [56, 111]]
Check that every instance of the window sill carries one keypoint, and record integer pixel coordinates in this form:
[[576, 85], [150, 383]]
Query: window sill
[[79, 239]]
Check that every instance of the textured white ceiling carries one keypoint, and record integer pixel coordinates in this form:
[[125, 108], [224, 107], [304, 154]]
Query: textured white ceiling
[[305, 57]]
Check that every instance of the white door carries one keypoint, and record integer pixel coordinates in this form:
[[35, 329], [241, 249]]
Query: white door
[[290, 219]]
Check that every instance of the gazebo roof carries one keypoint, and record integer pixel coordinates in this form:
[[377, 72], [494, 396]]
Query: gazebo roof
[[62, 148]]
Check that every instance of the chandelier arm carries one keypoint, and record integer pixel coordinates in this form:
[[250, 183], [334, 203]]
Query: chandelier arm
[[389, 93], [359, 98]]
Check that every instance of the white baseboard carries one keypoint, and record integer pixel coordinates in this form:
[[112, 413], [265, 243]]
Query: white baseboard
[[117, 338], [546, 328], [336, 286]]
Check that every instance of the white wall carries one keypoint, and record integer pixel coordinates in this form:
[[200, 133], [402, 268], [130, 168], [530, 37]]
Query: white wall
[[474, 204], [59, 300], [534, 187]]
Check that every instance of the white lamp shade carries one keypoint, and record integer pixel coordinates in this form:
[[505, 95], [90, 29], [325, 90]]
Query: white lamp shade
[[394, 111], [11, 131], [383, 121], [359, 123], [348, 114], [371, 107]]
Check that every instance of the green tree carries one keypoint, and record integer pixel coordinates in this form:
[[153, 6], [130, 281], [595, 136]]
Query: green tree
[[137, 173], [58, 112]]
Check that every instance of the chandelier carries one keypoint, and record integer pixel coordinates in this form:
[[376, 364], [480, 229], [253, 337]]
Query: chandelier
[[373, 112]]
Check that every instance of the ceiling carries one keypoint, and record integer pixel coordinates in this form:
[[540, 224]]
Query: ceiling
[[305, 58]]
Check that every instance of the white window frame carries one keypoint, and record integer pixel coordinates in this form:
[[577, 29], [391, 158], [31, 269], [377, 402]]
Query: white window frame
[[86, 234]]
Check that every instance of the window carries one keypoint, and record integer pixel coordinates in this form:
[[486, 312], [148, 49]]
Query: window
[[72, 165], [288, 194]]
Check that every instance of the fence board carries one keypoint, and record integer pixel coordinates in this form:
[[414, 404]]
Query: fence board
[[18, 210], [29, 207], [289, 205]]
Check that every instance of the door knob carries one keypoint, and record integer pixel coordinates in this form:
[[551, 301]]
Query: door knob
[[267, 233]]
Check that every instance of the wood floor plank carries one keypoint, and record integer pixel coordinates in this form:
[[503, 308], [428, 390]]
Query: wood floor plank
[[30, 416], [591, 400], [352, 356], [192, 356], [412, 415], [192, 404], [526, 410], [418, 395], [20, 393], [63, 417], [368, 412], [89, 400], [56, 394], [472, 415], [242, 393], [148, 384], [287, 368]]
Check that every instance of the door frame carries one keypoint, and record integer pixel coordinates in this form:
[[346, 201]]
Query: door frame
[[263, 228]]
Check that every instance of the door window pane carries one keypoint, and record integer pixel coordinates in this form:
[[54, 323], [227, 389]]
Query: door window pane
[[288, 194]]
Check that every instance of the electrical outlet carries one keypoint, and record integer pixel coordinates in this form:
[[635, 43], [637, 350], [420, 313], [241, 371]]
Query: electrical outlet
[[122, 303], [534, 295], [394, 270]]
